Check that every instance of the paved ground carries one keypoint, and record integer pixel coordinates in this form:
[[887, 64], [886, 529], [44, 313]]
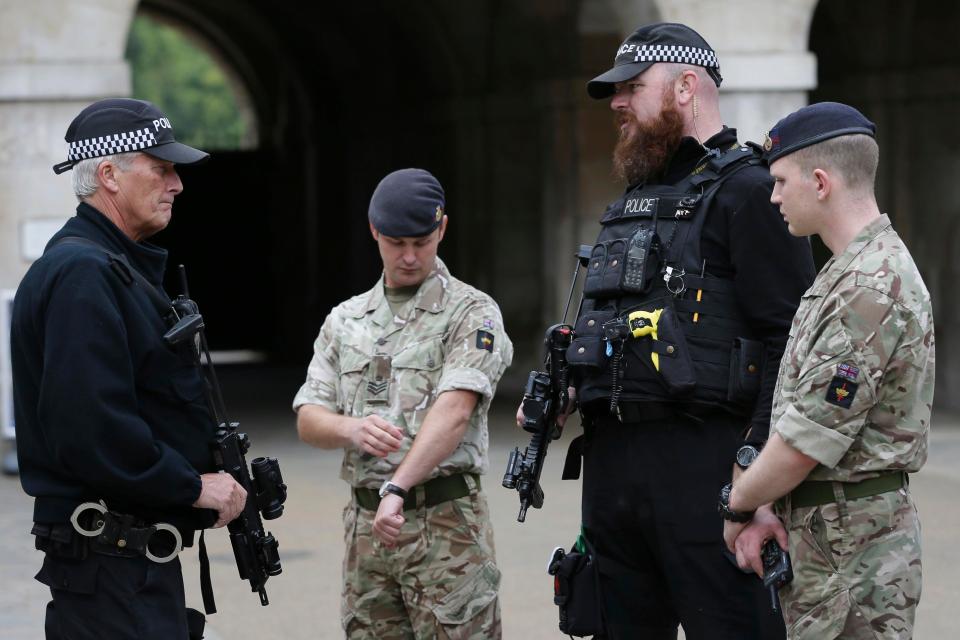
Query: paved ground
[[304, 599]]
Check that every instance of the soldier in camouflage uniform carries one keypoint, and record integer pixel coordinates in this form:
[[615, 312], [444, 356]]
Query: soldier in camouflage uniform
[[402, 378], [851, 412]]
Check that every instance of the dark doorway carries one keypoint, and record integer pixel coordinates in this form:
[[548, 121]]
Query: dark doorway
[[345, 93], [898, 63]]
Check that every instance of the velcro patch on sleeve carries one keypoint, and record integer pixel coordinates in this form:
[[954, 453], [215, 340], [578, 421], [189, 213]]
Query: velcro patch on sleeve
[[848, 371], [841, 392], [484, 340]]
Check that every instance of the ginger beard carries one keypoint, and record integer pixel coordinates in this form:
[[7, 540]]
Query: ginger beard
[[645, 148]]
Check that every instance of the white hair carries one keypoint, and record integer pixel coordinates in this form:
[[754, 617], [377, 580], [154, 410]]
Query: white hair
[[84, 177]]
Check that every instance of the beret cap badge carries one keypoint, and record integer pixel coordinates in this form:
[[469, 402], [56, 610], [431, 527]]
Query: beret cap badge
[[813, 124]]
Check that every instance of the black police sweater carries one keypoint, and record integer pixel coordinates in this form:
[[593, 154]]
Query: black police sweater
[[104, 408], [746, 239]]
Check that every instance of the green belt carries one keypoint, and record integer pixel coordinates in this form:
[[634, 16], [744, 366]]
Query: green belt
[[435, 491], [813, 493]]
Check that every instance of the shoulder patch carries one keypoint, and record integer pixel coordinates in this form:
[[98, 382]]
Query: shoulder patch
[[484, 340], [841, 392], [848, 371]]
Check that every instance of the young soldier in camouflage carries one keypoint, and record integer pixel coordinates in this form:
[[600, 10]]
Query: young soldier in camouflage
[[851, 412], [401, 379]]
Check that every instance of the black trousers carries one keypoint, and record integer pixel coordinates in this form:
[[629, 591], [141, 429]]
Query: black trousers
[[120, 598], [649, 508]]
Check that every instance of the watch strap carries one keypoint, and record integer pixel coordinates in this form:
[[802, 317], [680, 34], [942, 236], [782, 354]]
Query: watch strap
[[389, 487], [723, 506]]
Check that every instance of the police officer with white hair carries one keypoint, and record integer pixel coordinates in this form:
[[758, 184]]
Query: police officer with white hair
[[113, 434]]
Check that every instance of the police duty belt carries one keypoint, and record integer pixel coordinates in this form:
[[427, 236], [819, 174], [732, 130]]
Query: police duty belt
[[117, 530]]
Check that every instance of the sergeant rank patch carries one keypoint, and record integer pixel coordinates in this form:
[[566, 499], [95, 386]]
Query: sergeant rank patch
[[484, 340], [841, 392]]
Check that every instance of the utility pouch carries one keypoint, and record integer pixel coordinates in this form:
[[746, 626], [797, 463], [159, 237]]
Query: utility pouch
[[593, 282], [641, 260], [746, 367], [588, 348], [576, 589], [605, 269], [676, 366]]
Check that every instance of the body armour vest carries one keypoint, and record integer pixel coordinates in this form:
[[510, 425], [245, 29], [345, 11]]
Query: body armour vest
[[655, 325]]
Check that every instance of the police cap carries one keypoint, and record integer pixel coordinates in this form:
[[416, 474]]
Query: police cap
[[652, 43], [812, 124], [407, 204], [122, 125]]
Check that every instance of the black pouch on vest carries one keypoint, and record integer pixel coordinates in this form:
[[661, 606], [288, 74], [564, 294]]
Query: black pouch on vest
[[613, 272], [676, 367], [576, 590], [746, 367], [605, 270], [592, 283], [588, 348], [641, 261]]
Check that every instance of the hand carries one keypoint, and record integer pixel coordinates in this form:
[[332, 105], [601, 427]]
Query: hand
[[562, 416], [749, 539], [220, 492], [571, 405], [389, 520], [376, 436]]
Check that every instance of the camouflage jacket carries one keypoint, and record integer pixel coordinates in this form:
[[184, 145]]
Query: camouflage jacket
[[369, 361], [856, 380]]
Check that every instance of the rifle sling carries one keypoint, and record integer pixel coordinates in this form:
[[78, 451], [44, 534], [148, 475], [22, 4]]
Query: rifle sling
[[125, 271]]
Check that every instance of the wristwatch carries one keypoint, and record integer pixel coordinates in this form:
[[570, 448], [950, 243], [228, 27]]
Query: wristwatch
[[723, 506], [746, 455], [389, 487]]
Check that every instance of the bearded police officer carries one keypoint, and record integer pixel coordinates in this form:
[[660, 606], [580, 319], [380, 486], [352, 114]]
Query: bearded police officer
[[402, 378], [851, 411], [113, 435], [688, 298]]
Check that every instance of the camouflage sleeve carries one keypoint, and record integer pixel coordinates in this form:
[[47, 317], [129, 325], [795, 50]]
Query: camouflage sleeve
[[322, 380], [477, 350], [855, 336]]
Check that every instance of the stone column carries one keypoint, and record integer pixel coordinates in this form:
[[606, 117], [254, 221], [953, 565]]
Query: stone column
[[56, 57], [762, 45]]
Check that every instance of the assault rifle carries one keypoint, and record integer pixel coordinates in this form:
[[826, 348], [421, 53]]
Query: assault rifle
[[545, 397], [255, 550]]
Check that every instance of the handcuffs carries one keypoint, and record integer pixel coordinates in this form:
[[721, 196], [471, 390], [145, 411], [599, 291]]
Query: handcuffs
[[101, 508]]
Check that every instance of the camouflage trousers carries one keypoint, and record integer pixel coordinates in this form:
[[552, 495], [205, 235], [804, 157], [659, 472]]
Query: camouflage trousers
[[856, 569], [440, 581]]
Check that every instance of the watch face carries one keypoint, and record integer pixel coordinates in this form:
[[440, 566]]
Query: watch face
[[746, 455]]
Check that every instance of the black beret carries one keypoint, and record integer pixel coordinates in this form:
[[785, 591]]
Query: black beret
[[122, 125], [812, 124], [407, 204], [660, 42]]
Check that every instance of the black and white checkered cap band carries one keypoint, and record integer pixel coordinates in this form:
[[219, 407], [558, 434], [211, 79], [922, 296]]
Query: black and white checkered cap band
[[109, 145], [672, 53]]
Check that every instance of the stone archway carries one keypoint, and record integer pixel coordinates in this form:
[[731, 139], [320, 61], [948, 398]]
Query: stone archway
[[344, 93]]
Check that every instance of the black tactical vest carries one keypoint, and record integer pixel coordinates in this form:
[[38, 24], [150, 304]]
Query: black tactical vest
[[647, 258]]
